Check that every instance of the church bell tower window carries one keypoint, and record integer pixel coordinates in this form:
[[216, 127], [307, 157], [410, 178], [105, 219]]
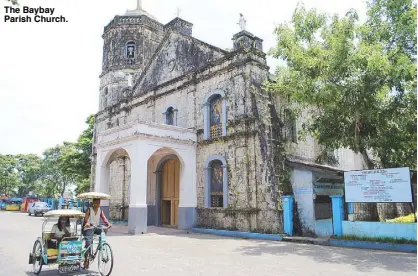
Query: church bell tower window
[[215, 117], [216, 184], [130, 52], [170, 115]]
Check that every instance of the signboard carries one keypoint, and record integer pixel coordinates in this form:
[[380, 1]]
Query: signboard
[[71, 247], [329, 188], [303, 191], [382, 185]]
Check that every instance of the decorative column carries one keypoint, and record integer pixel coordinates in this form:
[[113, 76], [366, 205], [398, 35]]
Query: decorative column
[[224, 117], [188, 196], [207, 187], [206, 122], [288, 214], [225, 185], [138, 211], [102, 181], [158, 175], [337, 214]]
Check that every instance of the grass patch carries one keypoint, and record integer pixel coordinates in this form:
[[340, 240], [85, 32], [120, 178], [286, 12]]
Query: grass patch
[[405, 219], [382, 239]]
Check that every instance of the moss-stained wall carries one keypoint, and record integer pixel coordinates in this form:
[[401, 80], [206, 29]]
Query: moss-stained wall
[[182, 72]]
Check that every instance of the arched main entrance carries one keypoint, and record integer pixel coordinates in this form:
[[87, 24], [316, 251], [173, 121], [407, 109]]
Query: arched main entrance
[[158, 191], [169, 192]]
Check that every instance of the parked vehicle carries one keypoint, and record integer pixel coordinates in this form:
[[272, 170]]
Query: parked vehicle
[[3, 202], [37, 208], [12, 204], [27, 201]]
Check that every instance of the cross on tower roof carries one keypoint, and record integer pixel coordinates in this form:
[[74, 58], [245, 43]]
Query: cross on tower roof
[[139, 11], [139, 5], [178, 12]]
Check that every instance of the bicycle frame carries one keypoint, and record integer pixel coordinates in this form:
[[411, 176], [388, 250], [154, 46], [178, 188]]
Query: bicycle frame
[[102, 240]]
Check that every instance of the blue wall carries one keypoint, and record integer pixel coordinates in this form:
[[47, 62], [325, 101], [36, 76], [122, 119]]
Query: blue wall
[[323, 227], [380, 229]]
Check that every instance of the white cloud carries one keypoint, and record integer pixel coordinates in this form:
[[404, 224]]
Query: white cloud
[[49, 72]]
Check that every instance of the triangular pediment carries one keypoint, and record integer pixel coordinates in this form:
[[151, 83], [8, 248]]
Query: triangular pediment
[[176, 55]]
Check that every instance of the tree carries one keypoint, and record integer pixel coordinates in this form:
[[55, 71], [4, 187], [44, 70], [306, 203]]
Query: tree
[[392, 24], [50, 176], [69, 163], [9, 178], [359, 80], [77, 157], [55, 175], [28, 168]]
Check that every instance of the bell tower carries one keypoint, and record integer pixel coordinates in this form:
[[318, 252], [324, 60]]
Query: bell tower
[[130, 40]]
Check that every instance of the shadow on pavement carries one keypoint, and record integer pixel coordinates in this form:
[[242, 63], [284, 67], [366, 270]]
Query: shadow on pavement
[[363, 260], [50, 272]]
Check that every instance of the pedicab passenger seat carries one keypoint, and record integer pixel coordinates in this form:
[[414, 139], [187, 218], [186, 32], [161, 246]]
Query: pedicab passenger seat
[[52, 253]]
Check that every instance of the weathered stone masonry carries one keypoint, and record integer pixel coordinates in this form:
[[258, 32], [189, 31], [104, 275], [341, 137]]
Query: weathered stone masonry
[[172, 67]]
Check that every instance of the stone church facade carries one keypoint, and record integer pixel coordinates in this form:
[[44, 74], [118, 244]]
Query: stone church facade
[[185, 135]]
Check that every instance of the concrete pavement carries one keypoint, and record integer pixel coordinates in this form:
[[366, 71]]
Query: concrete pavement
[[178, 253]]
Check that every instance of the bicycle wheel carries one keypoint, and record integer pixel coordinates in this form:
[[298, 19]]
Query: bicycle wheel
[[105, 261], [37, 257]]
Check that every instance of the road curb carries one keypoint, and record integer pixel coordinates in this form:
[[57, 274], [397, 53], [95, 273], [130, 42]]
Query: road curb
[[407, 248], [236, 234]]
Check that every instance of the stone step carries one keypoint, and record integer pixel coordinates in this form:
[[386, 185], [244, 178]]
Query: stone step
[[307, 240]]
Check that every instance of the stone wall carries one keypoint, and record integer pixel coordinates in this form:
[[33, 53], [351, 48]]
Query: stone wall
[[251, 147], [250, 152], [120, 173]]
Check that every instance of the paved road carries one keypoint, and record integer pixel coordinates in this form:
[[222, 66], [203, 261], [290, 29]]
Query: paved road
[[176, 253]]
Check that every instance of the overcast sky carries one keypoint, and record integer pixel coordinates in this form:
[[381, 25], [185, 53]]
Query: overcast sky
[[49, 72]]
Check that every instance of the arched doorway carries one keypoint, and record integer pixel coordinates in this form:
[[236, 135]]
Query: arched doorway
[[169, 192]]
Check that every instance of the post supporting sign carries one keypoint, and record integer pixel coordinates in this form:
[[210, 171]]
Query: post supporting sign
[[381, 185]]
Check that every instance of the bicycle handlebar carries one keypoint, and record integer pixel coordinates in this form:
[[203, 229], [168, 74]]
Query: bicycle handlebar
[[100, 226]]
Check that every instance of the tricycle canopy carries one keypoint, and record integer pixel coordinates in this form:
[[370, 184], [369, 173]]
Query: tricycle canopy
[[72, 213], [94, 195]]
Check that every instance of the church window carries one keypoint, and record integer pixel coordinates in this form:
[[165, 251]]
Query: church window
[[214, 115], [290, 131], [216, 184], [130, 52], [170, 115]]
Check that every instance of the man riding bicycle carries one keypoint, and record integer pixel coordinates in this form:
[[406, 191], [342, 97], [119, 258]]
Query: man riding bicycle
[[92, 226]]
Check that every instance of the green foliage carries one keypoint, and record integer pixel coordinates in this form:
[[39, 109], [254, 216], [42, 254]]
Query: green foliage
[[49, 175], [28, 168], [357, 80], [382, 239], [70, 163], [9, 178]]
